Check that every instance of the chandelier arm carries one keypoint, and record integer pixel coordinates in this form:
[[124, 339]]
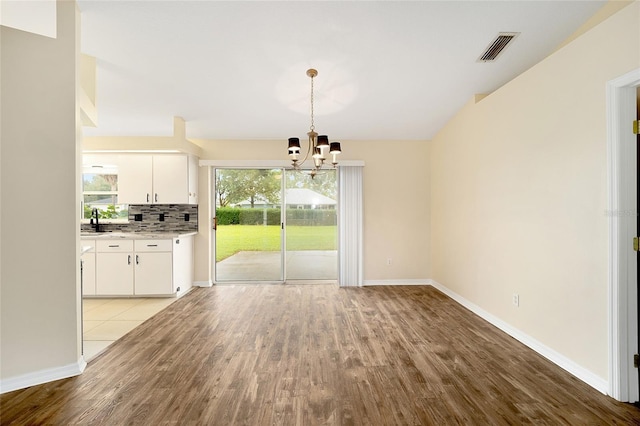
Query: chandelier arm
[[301, 162]]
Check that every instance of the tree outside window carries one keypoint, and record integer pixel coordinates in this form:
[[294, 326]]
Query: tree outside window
[[100, 191]]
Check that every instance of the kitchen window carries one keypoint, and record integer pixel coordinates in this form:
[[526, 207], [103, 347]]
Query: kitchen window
[[100, 192]]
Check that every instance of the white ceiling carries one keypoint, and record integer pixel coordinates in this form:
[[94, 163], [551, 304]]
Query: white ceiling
[[236, 69]]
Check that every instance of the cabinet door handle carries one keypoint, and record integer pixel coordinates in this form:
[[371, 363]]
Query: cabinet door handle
[[129, 260], [137, 260], [152, 245], [147, 197], [156, 200], [114, 245]]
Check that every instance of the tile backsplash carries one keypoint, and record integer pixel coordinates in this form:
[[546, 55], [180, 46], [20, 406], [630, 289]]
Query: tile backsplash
[[170, 218]]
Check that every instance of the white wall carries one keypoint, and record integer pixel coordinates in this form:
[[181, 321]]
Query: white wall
[[519, 194], [40, 294], [396, 204], [37, 17]]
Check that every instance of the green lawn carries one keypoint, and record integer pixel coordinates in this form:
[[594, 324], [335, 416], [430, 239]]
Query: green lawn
[[231, 239]]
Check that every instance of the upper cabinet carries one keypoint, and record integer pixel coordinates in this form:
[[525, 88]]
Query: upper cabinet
[[135, 179], [193, 179], [170, 179], [142, 178], [157, 179]]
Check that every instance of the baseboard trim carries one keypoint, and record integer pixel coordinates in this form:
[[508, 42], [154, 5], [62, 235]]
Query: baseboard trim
[[396, 282], [43, 376], [203, 283], [560, 360], [181, 293]]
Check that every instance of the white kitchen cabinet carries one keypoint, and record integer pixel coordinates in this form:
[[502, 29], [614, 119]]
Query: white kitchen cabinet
[[170, 179], [153, 273], [156, 179], [193, 179], [114, 268], [141, 267], [154, 267], [135, 179], [89, 268], [183, 263], [114, 274]]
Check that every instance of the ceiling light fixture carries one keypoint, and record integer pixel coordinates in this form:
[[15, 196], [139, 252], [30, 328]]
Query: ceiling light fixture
[[317, 143]]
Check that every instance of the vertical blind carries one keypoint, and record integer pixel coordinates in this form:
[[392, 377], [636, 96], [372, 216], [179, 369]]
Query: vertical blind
[[350, 226]]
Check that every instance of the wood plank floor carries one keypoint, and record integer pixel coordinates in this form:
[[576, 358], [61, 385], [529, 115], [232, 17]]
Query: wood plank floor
[[316, 355]]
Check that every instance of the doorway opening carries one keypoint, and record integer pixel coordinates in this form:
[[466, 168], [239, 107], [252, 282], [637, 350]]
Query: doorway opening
[[622, 107], [637, 263], [274, 225]]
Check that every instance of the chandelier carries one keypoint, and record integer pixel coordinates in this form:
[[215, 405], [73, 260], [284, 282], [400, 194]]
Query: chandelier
[[318, 144]]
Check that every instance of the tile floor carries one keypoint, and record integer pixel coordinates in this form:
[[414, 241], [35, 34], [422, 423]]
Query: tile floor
[[107, 320]]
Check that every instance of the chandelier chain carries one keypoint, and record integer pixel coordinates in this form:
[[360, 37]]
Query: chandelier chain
[[312, 127]]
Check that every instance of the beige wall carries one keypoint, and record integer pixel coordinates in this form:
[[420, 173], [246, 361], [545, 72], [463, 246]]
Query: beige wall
[[510, 196], [40, 285], [175, 142], [519, 193], [396, 202]]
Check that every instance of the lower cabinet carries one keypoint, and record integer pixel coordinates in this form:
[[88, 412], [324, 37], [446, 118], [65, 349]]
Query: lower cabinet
[[114, 274], [154, 267], [114, 268], [151, 267]]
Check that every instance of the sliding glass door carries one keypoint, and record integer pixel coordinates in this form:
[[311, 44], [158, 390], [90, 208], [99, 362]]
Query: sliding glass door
[[273, 225], [311, 226], [248, 225]]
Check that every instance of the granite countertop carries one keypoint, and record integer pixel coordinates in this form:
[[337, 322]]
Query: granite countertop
[[133, 235]]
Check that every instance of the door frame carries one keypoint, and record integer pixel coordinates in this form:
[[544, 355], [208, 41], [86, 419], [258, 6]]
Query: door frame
[[350, 219], [622, 213]]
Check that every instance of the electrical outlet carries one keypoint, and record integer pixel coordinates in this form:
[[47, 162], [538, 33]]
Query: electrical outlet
[[516, 299], [389, 261]]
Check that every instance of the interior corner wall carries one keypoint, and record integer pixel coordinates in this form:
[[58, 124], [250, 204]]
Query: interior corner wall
[[519, 195], [40, 286], [396, 203]]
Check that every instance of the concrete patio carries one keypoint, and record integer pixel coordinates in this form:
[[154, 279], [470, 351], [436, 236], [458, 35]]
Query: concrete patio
[[316, 265]]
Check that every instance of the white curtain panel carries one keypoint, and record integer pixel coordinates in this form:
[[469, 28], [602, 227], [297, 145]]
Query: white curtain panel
[[350, 226]]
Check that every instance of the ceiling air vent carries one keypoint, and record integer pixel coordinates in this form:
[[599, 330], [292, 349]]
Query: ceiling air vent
[[497, 46]]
